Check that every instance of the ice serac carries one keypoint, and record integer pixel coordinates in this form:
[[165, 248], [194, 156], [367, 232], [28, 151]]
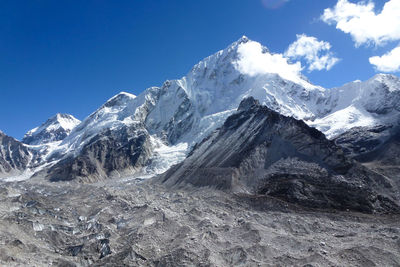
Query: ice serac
[[259, 151], [54, 129]]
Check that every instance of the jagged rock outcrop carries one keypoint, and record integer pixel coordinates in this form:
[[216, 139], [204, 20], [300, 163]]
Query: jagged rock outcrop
[[384, 158], [14, 156], [361, 140], [368, 144], [259, 151], [387, 153]]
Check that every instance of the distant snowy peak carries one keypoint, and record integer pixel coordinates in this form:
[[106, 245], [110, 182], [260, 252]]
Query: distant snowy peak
[[114, 114], [116, 109], [392, 81], [54, 129], [362, 104], [381, 94], [119, 99]]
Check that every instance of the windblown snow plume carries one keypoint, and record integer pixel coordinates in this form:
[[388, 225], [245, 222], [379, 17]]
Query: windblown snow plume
[[256, 61]]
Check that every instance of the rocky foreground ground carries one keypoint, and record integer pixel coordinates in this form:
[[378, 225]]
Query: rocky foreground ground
[[133, 223]]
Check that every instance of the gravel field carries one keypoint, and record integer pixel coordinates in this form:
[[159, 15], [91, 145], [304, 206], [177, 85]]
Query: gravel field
[[140, 223]]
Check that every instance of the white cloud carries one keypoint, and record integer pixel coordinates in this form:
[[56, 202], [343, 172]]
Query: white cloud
[[316, 53], [389, 62], [253, 61], [363, 24]]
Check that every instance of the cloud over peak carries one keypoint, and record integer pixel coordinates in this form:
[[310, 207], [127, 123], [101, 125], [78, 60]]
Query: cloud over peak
[[253, 61], [316, 53]]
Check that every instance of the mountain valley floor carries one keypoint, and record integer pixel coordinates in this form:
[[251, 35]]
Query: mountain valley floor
[[130, 222]]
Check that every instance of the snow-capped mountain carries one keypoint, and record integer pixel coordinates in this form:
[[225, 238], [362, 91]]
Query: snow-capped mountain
[[182, 112], [190, 108], [54, 129], [114, 114], [160, 125], [110, 142], [361, 104]]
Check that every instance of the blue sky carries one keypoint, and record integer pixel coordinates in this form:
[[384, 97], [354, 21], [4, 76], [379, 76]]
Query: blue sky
[[71, 56]]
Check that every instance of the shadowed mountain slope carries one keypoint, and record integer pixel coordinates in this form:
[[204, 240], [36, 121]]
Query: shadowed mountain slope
[[259, 151]]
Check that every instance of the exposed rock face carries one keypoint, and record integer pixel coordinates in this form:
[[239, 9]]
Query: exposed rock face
[[376, 147], [361, 140], [14, 156], [385, 158], [259, 151], [54, 129], [388, 153], [108, 154]]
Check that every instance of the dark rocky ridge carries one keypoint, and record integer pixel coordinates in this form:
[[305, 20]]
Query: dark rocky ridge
[[108, 154], [14, 156], [378, 148], [363, 140], [386, 158], [388, 153], [259, 151]]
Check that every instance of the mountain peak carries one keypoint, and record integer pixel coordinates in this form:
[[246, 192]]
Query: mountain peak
[[62, 116], [243, 39], [119, 98], [122, 93], [248, 103], [385, 77], [54, 129], [389, 81]]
